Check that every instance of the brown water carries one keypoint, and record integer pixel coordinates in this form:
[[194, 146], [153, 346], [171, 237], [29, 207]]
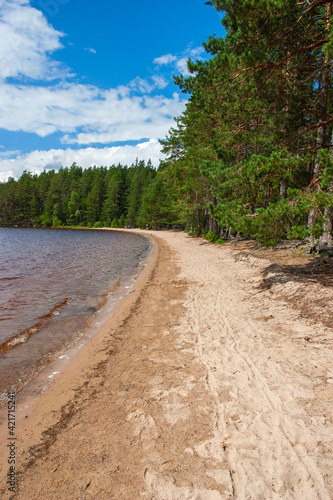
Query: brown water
[[52, 282]]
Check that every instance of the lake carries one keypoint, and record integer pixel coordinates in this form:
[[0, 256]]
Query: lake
[[52, 282]]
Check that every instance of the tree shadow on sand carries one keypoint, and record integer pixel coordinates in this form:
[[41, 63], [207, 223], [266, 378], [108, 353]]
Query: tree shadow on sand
[[319, 270]]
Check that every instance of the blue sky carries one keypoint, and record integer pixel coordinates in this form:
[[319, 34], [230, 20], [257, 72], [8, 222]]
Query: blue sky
[[91, 82]]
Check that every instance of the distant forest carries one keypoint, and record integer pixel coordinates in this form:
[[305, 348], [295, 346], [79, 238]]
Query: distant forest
[[250, 156], [117, 196]]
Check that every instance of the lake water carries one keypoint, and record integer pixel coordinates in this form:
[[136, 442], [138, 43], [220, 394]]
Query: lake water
[[52, 282]]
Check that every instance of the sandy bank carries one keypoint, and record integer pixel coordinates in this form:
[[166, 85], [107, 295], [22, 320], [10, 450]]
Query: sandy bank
[[202, 385]]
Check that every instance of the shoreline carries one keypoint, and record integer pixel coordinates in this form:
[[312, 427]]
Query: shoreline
[[78, 324], [41, 400], [204, 384]]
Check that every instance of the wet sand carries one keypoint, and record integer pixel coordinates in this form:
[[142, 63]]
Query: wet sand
[[200, 386]]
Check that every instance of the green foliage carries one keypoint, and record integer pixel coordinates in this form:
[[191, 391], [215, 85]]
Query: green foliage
[[45, 221], [140, 178], [56, 222], [189, 229], [244, 147], [326, 166], [122, 221], [297, 233], [252, 152], [213, 238], [156, 208], [95, 197]]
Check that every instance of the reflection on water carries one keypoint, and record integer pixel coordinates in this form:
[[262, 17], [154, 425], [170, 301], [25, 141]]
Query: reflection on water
[[51, 282]]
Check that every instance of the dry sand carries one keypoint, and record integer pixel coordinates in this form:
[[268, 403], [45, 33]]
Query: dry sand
[[204, 384]]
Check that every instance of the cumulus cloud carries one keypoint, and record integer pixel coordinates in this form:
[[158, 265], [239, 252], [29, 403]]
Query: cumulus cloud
[[27, 40], [166, 59], [181, 66], [37, 161], [179, 62], [196, 52], [159, 81], [84, 114], [69, 106], [8, 154], [142, 85]]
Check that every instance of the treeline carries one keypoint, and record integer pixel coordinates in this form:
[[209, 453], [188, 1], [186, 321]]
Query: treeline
[[254, 146], [250, 156], [95, 197]]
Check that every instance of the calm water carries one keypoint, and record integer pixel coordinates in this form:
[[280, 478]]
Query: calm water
[[51, 283]]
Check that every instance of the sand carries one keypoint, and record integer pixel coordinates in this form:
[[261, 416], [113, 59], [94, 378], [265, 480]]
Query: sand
[[204, 384]]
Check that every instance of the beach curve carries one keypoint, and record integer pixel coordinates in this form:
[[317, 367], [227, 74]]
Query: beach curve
[[199, 386]]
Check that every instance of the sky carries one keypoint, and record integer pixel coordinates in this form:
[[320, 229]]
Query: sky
[[91, 82]]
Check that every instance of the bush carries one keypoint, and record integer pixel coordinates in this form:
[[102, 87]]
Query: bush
[[122, 221], [213, 238], [56, 222], [45, 221]]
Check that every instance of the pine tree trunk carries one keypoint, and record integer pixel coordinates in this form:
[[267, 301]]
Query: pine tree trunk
[[198, 222], [313, 243], [237, 238], [283, 189], [213, 224], [327, 237], [317, 169]]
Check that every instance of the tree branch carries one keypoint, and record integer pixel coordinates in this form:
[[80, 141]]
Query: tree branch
[[307, 129]]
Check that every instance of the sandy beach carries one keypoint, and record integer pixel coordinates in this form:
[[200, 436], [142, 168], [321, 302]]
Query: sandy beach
[[213, 379]]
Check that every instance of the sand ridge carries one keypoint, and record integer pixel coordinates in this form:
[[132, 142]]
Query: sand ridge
[[203, 386]]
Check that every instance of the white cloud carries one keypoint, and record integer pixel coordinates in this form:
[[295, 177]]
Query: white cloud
[[27, 41], [68, 107], [179, 61], [90, 49], [181, 66], [166, 59], [160, 82], [84, 114], [4, 176], [37, 161], [8, 154], [196, 52], [141, 85], [144, 86]]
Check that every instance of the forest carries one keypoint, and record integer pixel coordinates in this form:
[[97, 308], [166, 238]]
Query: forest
[[250, 156], [93, 197]]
